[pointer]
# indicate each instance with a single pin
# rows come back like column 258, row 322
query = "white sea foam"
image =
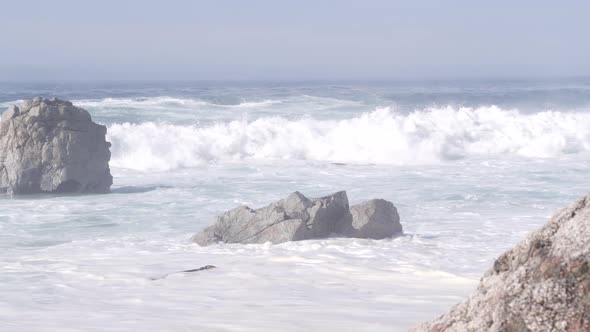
column 383, row 136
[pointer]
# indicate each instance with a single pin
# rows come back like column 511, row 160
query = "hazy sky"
column 304, row 39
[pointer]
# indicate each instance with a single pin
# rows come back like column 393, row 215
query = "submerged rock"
column 300, row 218
column 51, row 146
column 542, row 284
column 202, row 268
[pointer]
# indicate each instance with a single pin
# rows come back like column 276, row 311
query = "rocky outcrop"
column 375, row 219
column 542, row 284
column 51, row 146
column 300, row 218
column 291, row 219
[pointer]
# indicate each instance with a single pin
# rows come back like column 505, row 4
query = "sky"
column 292, row 40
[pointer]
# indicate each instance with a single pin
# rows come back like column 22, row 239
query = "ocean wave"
column 381, row 137
column 169, row 102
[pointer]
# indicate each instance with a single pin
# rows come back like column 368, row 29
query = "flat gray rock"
column 375, row 219
column 51, row 146
column 298, row 218
column 542, row 284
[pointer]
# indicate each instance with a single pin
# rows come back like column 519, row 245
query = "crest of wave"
column 383, row 136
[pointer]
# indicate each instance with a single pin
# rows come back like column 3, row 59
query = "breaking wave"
column 383, row 136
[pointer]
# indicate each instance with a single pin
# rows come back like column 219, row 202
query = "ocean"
column 471, row 165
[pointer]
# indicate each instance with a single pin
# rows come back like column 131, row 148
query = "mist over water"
column 471, row 166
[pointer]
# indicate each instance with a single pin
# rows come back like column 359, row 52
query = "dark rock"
column 300, row 218
column 375, row 219
column 291, row 219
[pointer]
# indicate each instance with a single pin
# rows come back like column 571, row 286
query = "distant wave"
column 167, row 102
column 382, row 137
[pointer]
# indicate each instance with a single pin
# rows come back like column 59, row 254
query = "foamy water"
column 383, row 136
column 469, row 180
